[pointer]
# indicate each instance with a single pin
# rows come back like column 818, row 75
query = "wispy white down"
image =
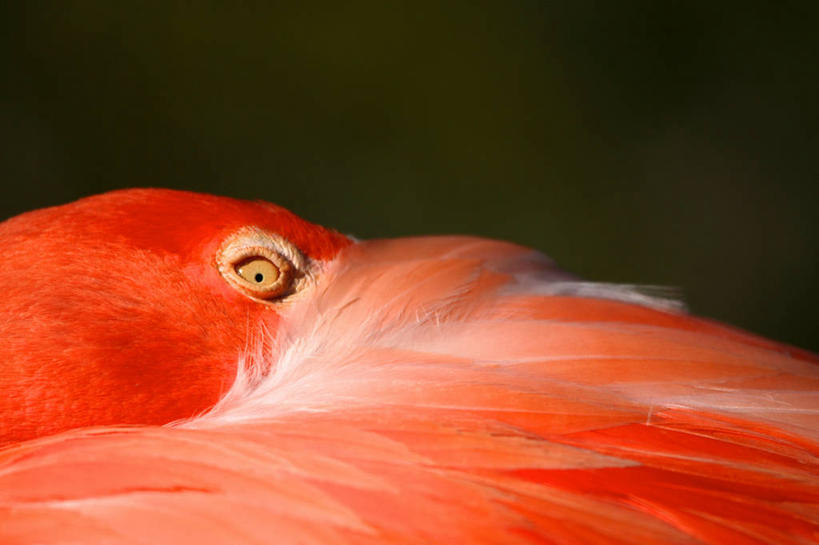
column 322, row 356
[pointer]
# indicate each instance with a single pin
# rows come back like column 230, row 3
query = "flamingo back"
column 454, row 390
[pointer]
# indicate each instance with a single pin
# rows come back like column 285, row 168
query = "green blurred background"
column 668, row 143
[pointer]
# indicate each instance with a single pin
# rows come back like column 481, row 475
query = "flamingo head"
column 135, row 307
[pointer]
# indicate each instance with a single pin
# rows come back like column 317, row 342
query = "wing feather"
column 432, row 390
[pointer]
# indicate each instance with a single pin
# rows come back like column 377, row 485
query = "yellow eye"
column 258, row 271
column 261, row 265
column 261, row 273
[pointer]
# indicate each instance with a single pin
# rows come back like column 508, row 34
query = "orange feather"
column 420, row 390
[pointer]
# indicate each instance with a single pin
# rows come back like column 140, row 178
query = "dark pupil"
column 259, row 277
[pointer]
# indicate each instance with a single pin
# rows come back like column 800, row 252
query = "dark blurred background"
column 651, row 142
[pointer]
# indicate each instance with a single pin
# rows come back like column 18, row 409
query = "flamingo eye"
column 258, row 271
column 261, row 265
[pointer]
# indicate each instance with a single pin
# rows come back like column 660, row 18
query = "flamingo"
column 183, row 368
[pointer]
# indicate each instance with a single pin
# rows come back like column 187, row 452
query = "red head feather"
column 114, row 310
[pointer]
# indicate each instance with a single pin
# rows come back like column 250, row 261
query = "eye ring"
column 261, row 265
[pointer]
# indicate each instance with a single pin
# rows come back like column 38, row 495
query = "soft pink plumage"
column 453, row 390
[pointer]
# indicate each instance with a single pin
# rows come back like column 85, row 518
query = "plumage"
column 418, row 390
